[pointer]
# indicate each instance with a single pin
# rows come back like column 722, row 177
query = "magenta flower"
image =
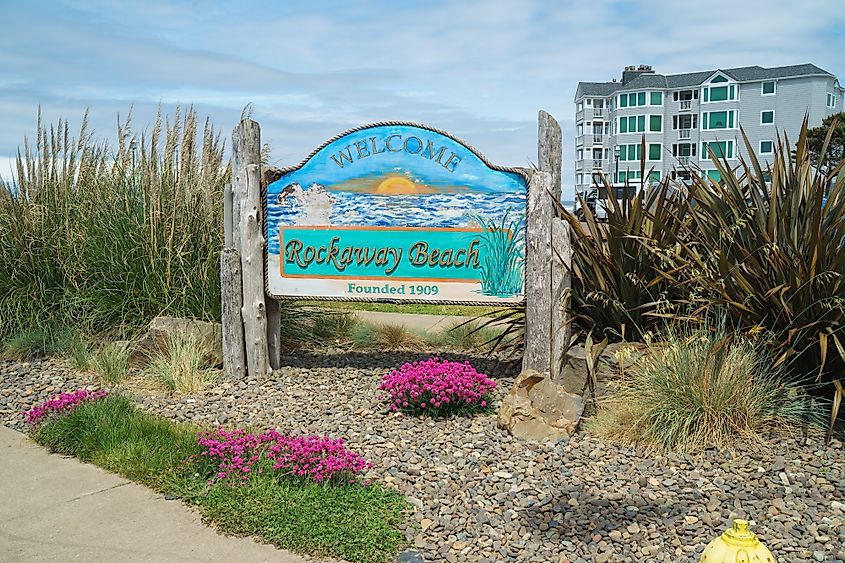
column 61, row 404
column 439, row 387
column 317, row 458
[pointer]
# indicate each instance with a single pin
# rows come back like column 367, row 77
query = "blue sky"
column 479, row 69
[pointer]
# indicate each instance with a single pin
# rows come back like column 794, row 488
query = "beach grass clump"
column 182, row 366
column 331, row 518
column 700, row 388
column 111, row 362
column 503, row 264
column 97, row 237
column 464, row 335
column 437, row 387
column 37, row 341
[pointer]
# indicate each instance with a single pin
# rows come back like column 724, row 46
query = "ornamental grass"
column 704, row 387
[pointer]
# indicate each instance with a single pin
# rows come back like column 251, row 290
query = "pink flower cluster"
column 318, row 458
column 63, row 403
column 439, row 387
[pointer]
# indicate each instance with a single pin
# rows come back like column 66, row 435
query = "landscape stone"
column 539, row 409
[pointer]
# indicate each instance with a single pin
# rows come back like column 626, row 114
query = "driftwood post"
column 561, row 278
column 248, row 239
column 549, row 154
column 254, row 310
column 538, row 295
column 549, row 159
column 231, row 296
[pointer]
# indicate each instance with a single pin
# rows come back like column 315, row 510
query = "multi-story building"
column 681, row 116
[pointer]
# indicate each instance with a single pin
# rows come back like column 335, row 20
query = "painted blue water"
column 372, row 210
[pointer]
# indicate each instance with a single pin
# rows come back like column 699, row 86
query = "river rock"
column 539, row 409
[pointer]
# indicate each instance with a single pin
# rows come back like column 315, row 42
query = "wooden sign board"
column 397, row 212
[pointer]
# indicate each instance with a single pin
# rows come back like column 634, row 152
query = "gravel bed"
column 479, row 495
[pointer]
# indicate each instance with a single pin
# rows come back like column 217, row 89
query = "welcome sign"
column 397, row 212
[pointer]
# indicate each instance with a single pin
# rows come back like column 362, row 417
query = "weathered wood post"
column 550, row 159
column 547, row 267
column 231, row 294
column 561, row 293
column 254, row 310
column 538, row 297
column 249, row 240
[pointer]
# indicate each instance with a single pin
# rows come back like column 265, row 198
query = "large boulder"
column 208, row 336
column 539, row 409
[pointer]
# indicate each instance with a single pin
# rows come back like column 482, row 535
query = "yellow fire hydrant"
column 737, row 545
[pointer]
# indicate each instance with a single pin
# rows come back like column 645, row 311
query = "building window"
column 717, row 120
column 655, row 123
column 767, row 117
column 714, row 175
column 654, row 151
column 656, row 98
column 580, row 154
column 721, row 149
column 579, row 179
column 632, row 152
column 831, row 100
column 623, row 100
column 719, row 93
column 654, row 176
column 768, row 88
column 719, row 78
column 580, row 106
column 589, row 102
column 629, row 175
column 640, row 98
column 632, row 124
column 766, row 147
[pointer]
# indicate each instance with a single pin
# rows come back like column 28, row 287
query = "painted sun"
column 399, row 185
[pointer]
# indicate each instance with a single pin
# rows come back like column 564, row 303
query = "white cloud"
column 479, row 68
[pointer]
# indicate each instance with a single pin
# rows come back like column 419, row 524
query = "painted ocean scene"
column 406, row 177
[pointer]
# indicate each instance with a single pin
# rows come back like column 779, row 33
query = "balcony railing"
column 686, row 104
column 598, row 138
column 684, row 133
column 598, row 112
column 598, row 163
column 683, row 160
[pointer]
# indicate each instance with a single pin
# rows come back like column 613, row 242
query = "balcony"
column 686, row 105
column 683, row 160
column 598, row 163
column 579, row 115
column 684, row 133
column 598, row 112
column 598, row 138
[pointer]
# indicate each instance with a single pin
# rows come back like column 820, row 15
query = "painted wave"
column 429, row 210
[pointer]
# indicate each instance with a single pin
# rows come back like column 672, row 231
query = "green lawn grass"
column 353, row 522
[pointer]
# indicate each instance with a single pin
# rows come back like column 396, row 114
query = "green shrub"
column 767, row 246
column 702, row 387
column 625, row 270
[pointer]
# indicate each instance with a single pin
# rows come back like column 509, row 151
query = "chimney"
column 631, row 72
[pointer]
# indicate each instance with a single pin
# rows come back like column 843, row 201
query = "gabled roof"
column 671, row 81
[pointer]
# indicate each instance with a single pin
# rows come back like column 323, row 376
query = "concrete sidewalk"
column 58, row 509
